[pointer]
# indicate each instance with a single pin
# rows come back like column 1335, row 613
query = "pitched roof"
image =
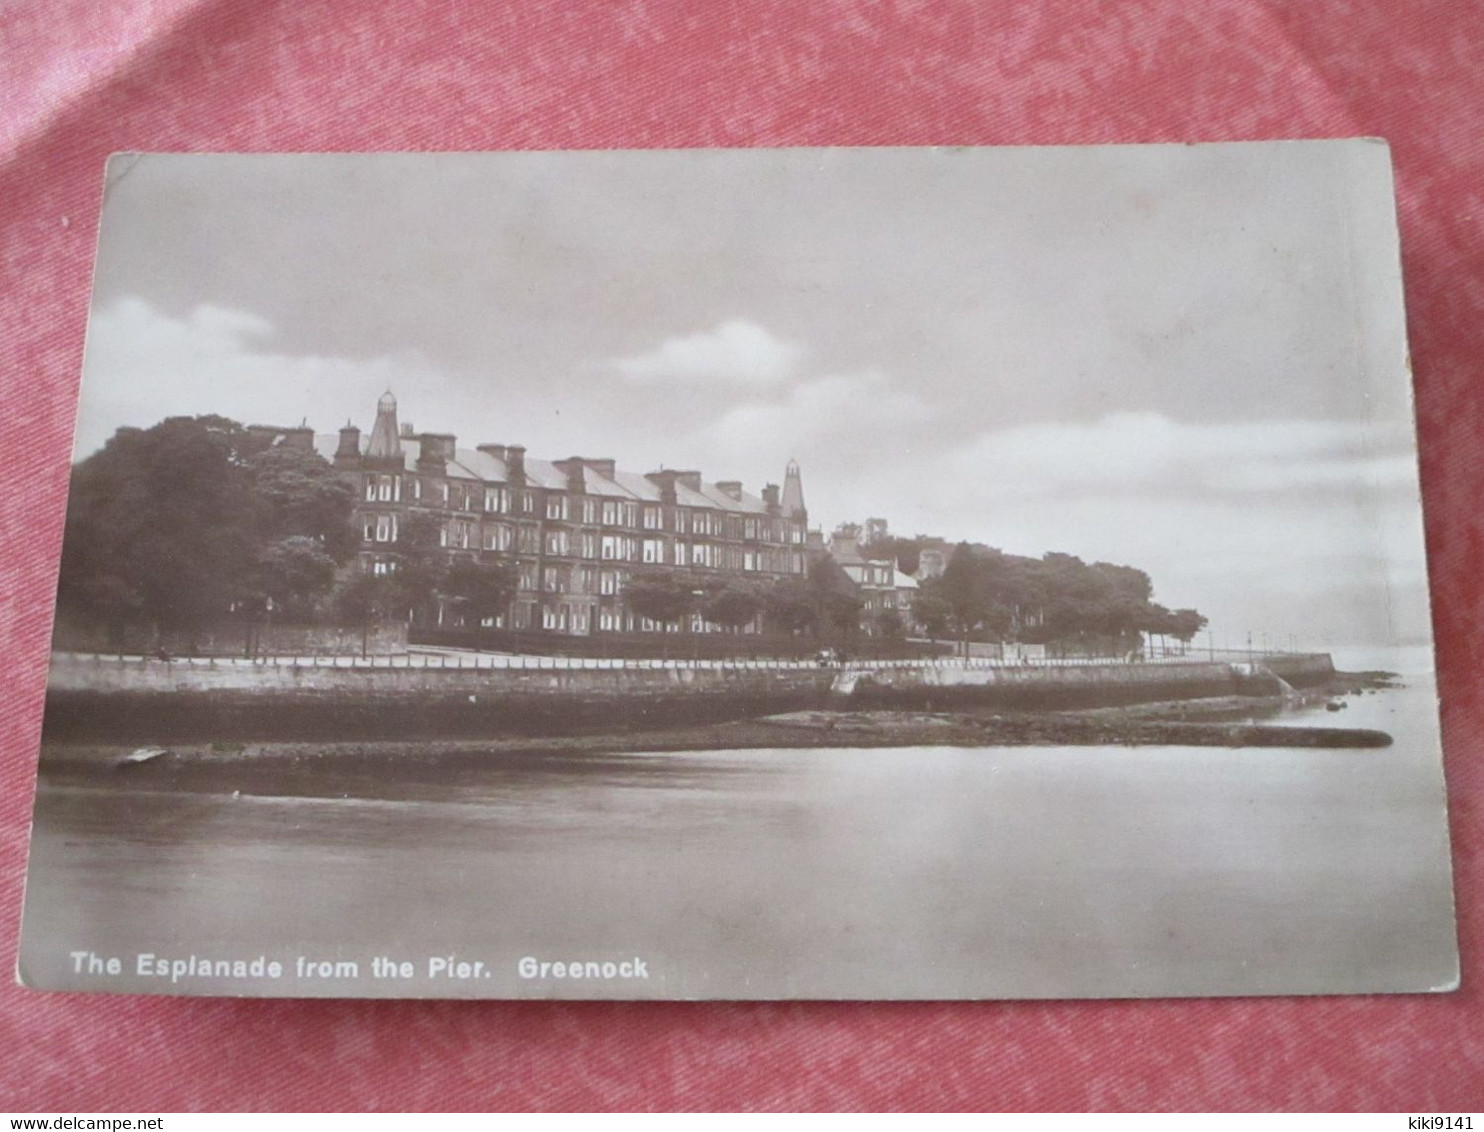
column 477, row 464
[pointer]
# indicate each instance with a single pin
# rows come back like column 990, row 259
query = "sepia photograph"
column 745, row 574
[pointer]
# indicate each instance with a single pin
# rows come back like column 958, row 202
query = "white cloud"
column 840, row 421
column 143, row 365
column 1148, row 452
column 735, row 351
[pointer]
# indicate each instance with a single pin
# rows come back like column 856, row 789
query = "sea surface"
column 908, row 873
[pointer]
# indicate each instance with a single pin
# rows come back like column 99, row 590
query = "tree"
column 1157, row 622
column 888, row 625
column 294, row 574
column 1185, row 624
column 481, row 589
column 362, row 599
column 788, row 607
column 962, row 593
column 159, row 525
column 297, row 494
column 733, row 604
column 177, row 524
column 419, row 565
column 933, row 612
column 834, row 598
column 663, row 596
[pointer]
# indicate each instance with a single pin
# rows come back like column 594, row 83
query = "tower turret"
column 793, row 493
column 386, row 441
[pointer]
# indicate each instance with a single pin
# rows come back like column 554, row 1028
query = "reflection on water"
column 931, row 872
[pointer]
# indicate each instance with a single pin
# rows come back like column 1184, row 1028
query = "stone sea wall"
column 155, row 701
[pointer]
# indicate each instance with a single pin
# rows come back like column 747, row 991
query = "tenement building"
column 576, row 528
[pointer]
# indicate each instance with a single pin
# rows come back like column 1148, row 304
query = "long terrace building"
column 576, row 528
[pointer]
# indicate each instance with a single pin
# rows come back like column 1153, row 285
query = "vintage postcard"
column 773, row 574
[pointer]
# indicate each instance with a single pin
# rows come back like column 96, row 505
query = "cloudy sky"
column 1187, row 358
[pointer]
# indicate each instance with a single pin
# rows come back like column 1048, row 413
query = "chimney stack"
column 664, row 479
column 732, row 489
column 572, row 469
column 692, row 480
column 436, row 449
column 770, row 498
column 605, row 467
column 300, row 438
column 515, row 463
column 348, row 454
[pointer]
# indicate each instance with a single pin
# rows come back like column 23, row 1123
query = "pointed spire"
column 793, row 492
column 385, row 443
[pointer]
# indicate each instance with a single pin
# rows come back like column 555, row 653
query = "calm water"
column 932, row 872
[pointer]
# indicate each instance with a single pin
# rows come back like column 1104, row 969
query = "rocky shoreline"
column 1223, row 722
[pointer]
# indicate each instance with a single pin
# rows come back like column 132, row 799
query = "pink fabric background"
column 80, row 79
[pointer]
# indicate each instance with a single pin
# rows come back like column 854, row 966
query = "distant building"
column 875, row 578
column 576, row 528
column 931, row 562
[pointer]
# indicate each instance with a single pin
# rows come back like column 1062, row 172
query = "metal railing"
column 457, row 661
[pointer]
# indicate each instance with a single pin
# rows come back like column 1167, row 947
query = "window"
column 496, row 537
column 528, row 540
column 528, row 575
column 682, row 554
column 556, row 542
column 386, row 528
column 651, row 518
column 589, row 510
column 749, row 560
column 609, row 583
column 527, row 502
column 682, row 521
column 494, row 499
column 462, row 535
column 700, row 554
column 612, row 547
column 417, row 488
column 631, row 514
column 610, row 513
column 556, row 508
column 384, row 489
column 382, row 567
column 555, row 580
column 589, row 579
column 749, row 529
column 654, row 550
column 589, row 546
column 609, row 620
column 554, row 617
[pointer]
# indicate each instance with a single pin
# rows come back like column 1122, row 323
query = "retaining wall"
column 232, row 639
column 154, row 701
